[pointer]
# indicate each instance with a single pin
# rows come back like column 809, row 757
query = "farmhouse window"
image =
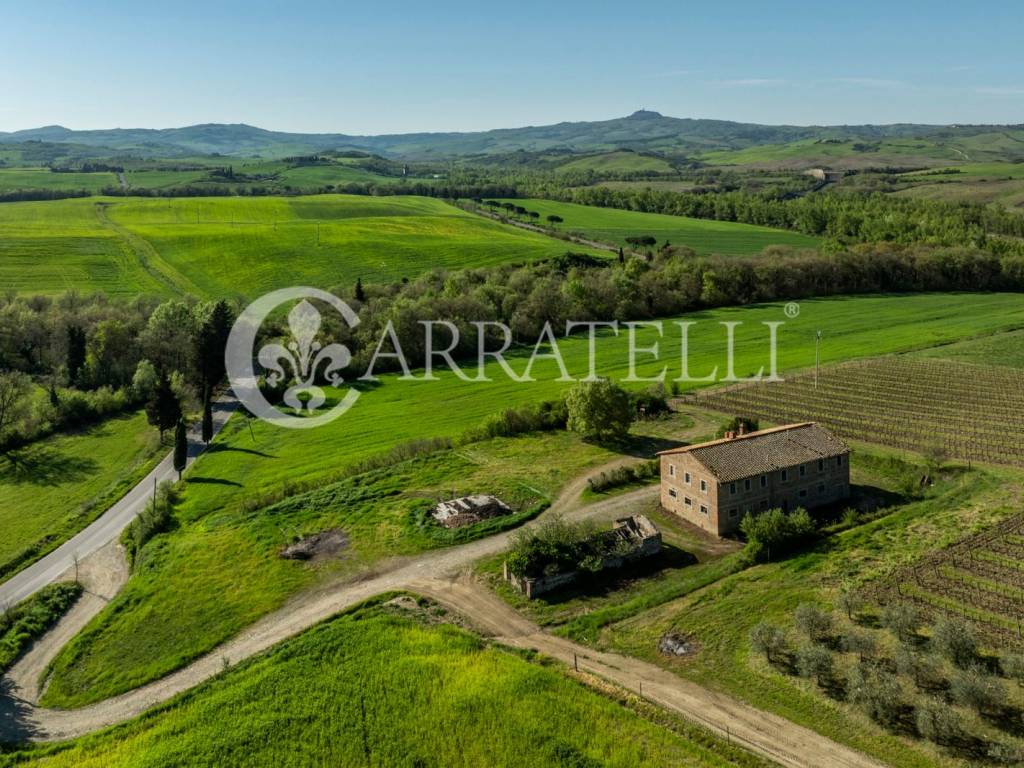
column 687, row 502
column 839, row 460
column 703, row 509
column 703, row 486
column 672, row 492
column 733, row 512
column 764, row 481
column 821, row 465
column 785, row 475
column 732, row 488
column 671, row 470
column 803, row 470
column 746, row 484
column 686, row 477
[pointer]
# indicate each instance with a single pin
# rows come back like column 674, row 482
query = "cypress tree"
column 180, row 447
column 207, row 418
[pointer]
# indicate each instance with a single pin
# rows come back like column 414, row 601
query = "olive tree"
column 769, row 640
column 955, row 640
column 815, row 661
column 812, row 621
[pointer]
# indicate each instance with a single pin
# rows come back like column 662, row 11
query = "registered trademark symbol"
column 792, row 310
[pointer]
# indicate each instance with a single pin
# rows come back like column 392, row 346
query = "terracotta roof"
column 765, row 450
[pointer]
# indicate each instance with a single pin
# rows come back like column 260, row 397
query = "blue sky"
column 395, row 67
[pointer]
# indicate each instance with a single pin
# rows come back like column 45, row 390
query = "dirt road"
column 769, row 735
column 443, row 576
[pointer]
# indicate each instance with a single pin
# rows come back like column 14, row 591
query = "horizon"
column 328, row 68
column 493, row 128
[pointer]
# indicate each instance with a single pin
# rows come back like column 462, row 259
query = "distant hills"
column 642, row 131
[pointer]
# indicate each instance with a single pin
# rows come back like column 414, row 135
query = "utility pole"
column 817, row 356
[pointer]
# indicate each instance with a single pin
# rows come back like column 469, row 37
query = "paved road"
column 109, row 525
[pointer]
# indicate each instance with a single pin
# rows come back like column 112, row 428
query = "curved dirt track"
column 440, row 575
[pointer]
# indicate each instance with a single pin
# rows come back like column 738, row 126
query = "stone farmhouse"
column 713, row 485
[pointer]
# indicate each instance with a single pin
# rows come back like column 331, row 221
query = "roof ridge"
column 722, row 440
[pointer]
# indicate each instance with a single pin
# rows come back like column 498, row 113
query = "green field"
column 1001, row 183
column 163, row 179
column 52, row 488
column 63, row 245
column 227, row 562
column 227, row 247
column 720, row 615
column 1004, row 349
column 12, row 179
column 930, row 152
column 702, row 235
column 219, row 538
column 389, row 686
column 618, row 162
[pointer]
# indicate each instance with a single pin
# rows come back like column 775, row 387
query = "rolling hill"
column 643, row 130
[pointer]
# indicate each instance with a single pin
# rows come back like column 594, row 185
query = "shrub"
column 849, row 602
column 924, row 670
column 748, row 423
column 31, row 619
column 1003, row 753
column 938, row 722
column 1012, row 666
column 877, row 693
column 860, row 643
column 902, row 619
column 625, row 475
column 154, row 519
column 955, row 640
column 774, row 532
column 768, row 640
column 652, row 402
column 541, row 417
column 974, row 688
column 812, row 621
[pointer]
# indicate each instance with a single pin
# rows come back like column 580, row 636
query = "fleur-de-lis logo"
column 306, row 360
column 304, row 355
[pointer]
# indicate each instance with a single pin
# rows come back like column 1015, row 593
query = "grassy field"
column 618, row 162
column 703, row 236
column 1005, row 349
column 697, row 588
column 62, row 245
column 31, row 618
column 221, row 572
column 907, row 152
column 162, row 179
column 384, row 685
column 229, row 247
column 12, row 179
column 52, row 488
column 1001, row 183
column 231, row 579
column 719, row 616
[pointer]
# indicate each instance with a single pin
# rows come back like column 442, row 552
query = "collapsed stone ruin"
column 630, row 539
column 467, row 510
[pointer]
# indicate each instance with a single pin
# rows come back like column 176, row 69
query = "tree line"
column 69, row 361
